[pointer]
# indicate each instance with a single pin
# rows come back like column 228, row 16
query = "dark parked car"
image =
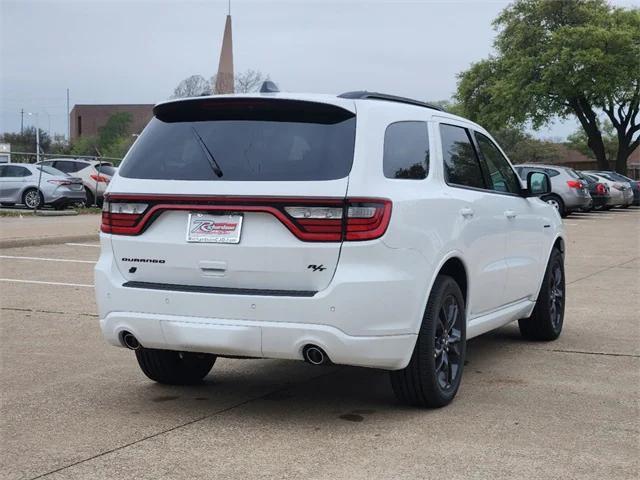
column 599, row 193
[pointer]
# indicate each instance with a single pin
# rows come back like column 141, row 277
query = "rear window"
column 572, row 173
column 51, row 170
column 244, row 140
column 106, row 169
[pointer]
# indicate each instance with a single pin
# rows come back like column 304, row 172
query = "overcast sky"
column 137, row 51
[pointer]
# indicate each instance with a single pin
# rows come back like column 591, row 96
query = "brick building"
column 87, row 119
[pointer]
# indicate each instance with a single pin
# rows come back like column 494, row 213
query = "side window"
column 551, row 172
column 460, row 161
column 66, row 166
column 501, row 176
column 406, row 150
column 3, row 170
column 16, row 171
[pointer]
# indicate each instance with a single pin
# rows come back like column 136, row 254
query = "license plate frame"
column 205, row 227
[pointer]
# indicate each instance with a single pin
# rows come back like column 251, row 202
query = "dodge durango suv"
column 360, row 229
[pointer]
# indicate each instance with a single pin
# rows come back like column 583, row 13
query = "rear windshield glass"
column 51, row 170
column 244, row 140
column 106, row 169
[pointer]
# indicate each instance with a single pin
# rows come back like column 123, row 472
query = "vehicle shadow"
column 273, row 388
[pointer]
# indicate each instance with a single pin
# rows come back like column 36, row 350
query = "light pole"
column 39, row 195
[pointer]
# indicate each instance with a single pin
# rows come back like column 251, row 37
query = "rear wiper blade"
column 210, row 158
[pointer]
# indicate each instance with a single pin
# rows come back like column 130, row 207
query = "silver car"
column 621, row 192
column 568, row 191
column 19, row 185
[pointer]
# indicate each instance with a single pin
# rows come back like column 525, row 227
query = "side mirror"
column 538, row 184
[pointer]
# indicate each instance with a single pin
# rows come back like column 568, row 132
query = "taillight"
column 366, row 219
column 61, row 182
column 309, row 219
column 574, row 183
column 120, row 218
column 601, row 189
column 100, row 178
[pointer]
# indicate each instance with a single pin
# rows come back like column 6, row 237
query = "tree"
column 558, row 59
column 192, row 86
column 26, row 142
column 116, row 127
column 244, row 82
column 578, row 141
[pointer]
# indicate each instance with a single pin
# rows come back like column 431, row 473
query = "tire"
column 90, row 198
column 423, row 382
column 174, row 368
column 557, row 203
column 32, row 198
column 545, row 323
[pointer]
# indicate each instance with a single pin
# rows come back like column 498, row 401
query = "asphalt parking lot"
column 74, row 407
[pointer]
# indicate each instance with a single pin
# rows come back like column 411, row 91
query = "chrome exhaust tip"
column 314, row 355
column 130, row 341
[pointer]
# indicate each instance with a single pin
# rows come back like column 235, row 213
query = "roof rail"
column 363, row 94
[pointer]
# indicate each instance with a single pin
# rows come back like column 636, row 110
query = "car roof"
column 349, row 101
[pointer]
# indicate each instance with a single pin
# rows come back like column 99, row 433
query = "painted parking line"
column 37, row 282
column 94, row 245
column 42, row 259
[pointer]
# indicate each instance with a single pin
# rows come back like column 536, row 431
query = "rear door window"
column 406, row 150
column 16, row 171
column 461, row 163
column 502, row 178
column 244, row 140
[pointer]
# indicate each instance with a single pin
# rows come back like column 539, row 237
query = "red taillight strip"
column 311, row 230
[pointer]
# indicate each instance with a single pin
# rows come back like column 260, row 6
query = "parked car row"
column 56, row 183
column 573, row 190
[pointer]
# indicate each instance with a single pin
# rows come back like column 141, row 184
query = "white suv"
column 362, row 229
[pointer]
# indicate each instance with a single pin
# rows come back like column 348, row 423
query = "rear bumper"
column 257, row 339
column 575, row 201
column 368, row 316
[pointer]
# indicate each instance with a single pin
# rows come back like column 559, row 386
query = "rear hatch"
column 235, row 193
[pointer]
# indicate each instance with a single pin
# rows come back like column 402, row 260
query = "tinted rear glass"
column 106, row 169
column 248, row 139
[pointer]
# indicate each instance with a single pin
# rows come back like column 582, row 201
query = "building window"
column 79, row 125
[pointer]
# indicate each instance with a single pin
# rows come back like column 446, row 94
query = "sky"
column 137, row 51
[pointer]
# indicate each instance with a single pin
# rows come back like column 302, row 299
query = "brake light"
column 574, row 183
column 118, row 217
column 100, row 178
column 309, row 219
column 601, row 189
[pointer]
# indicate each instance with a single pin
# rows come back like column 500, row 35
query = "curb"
column 32, row 242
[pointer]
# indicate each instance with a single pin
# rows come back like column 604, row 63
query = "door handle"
column 510, row 214
column 466, row 212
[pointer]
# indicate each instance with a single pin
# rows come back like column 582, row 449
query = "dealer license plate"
column 207, row 228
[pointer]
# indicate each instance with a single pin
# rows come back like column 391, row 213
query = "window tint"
column 67, row 166
column 106, row 169
column 16, row 171
column 550, row 171
column 248, row 139
column 460, row 160
column 501, row 177
column 406, row 150
column 2, row 170
column 572, row 173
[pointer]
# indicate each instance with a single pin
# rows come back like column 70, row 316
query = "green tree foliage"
column 578, row 141
column 116, row 127
column 558, row 59
column 26, row 142
column 522, row 147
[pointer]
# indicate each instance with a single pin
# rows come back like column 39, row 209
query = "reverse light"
column 120, row 218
